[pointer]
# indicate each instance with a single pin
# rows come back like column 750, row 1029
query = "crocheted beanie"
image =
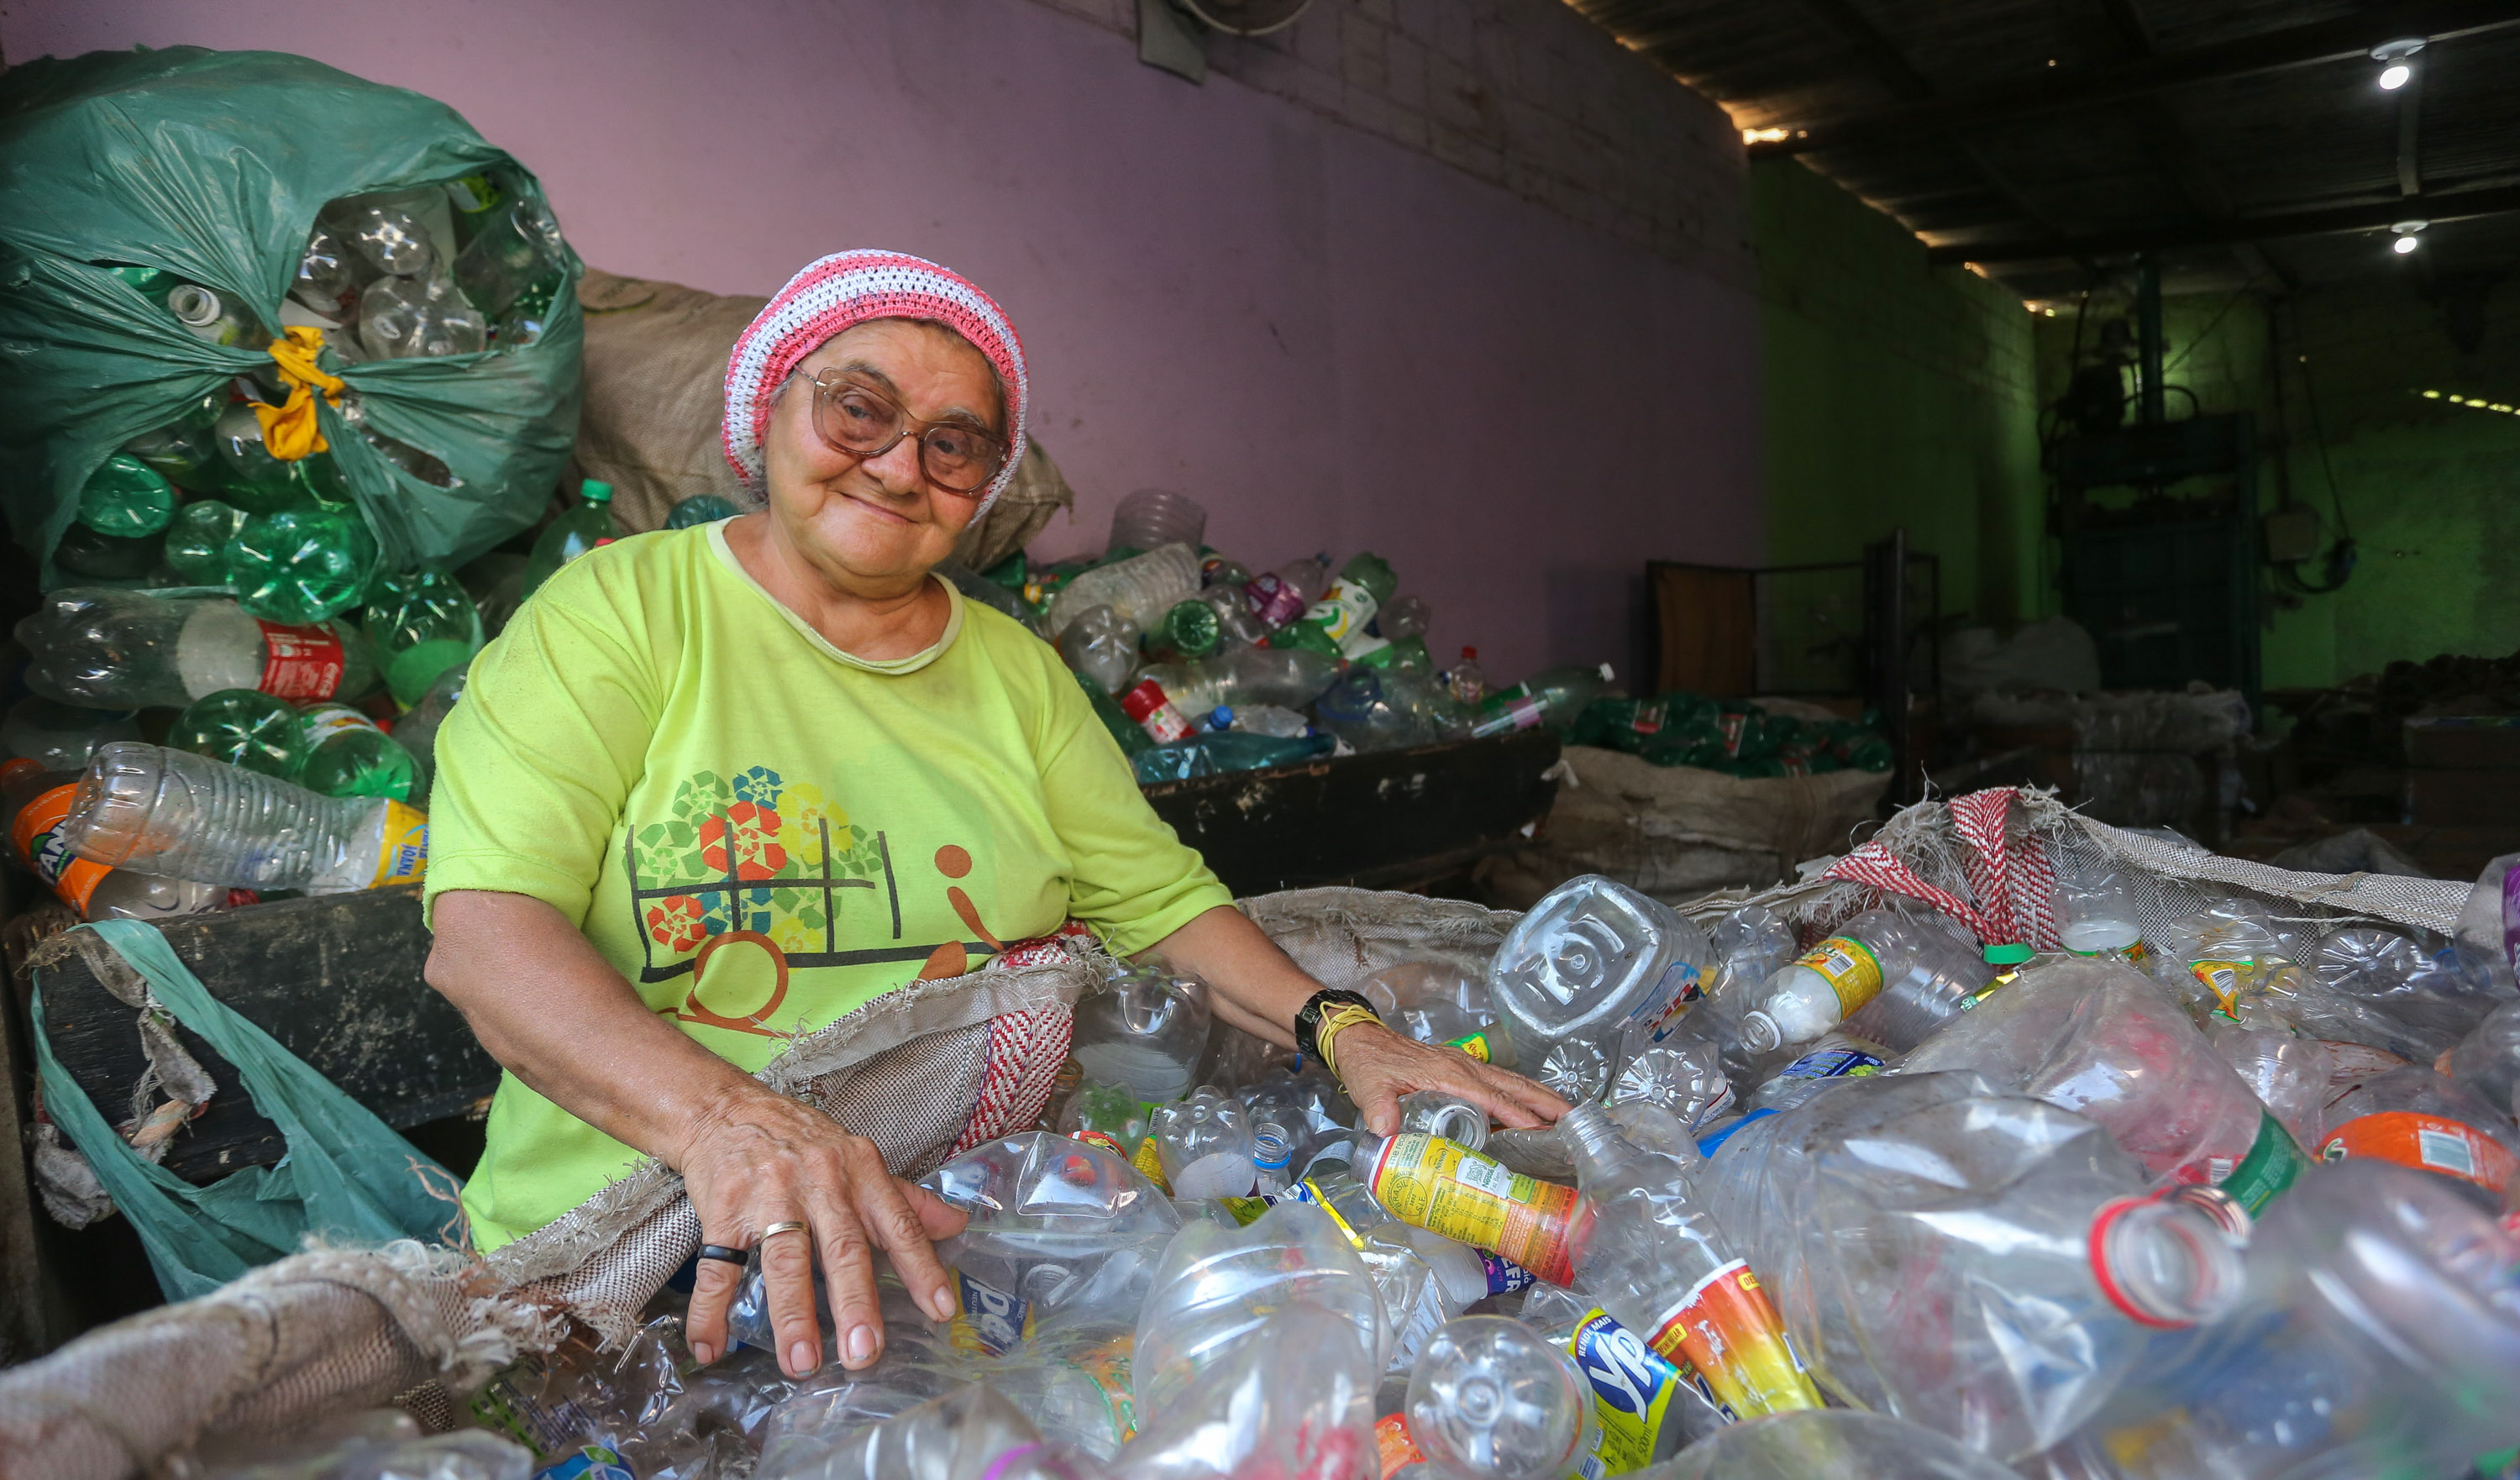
column 851, row 288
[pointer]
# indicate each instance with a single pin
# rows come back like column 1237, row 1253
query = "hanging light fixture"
column 2407, row 232
column 2397, row 62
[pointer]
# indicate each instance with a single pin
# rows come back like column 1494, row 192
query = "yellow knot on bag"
column 289, row 430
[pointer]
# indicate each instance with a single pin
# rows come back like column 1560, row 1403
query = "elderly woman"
column 681, row 728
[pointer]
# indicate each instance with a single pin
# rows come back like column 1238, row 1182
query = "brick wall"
column 1523, row 94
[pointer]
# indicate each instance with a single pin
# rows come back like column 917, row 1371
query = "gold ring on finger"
column 790, row 1227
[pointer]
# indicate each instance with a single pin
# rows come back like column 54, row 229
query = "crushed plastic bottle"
column 1063, row 1237
column 1215, row 1288
column 1204, row 1143
column 127, row 649
column 185, row 816
column 1488, row 1400
column 33, row 804
column 1593, row 972
column 1146, row 1034
column 1921, row 974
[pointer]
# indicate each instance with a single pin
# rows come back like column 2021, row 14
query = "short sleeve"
column 535, row 762
column 1132, row 877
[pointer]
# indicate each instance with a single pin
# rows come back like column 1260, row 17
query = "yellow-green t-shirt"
column 665, row 754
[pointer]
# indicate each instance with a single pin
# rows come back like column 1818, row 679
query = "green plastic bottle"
column 301, row 566
column 127, row 498
column 573, row 534
column 196, row 542
column 1190, row 630
column 346, row 754
column 243, row 728
column 1115, row 719
column 422, row 622
column 82, row 552
column 257, row 483
column 1554, row 696
column 1335, row 626
column 181, row 451
column 701, row 509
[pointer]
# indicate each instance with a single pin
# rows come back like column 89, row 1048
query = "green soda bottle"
column 573, row 534
column 422, row 622
column 196, row 543
column 1131, row 738
column 181, row 451
column 1336, row 624
column 127, row 498
column 258, row 482
column 1553, row 696
column 701, row 509
column 347, row 755
column 300, row 565
column 243, row 728
column 1190, row 630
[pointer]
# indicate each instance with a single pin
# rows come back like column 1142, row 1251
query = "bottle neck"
column 2164, row 1264
column 1592, row 1139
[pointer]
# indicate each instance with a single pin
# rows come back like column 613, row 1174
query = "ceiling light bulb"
column 2403, row 245
column 2395, row 76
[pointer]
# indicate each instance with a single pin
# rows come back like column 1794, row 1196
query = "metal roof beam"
column 2436, row 208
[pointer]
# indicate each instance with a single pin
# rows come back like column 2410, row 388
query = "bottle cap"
column 1221, row 718
column 595, row 491
column 2011, row 955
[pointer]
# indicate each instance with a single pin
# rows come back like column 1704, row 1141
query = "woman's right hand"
column 756, row 1158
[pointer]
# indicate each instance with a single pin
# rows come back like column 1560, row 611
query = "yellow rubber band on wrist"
column 1345, row 1015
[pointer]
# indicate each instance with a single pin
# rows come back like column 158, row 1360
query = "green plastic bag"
column 212, row 165
column 348, row 1176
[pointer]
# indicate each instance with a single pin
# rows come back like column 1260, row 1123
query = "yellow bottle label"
column 405, row 854
column 1850, row 968
column 1451, row 1189
column 1474, row 1045
column 1147, row 1162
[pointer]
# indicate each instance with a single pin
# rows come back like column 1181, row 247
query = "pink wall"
column 1334, row 341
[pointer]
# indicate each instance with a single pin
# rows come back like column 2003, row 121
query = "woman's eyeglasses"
column 863, row 422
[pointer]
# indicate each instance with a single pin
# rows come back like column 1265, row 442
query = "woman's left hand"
column 1378, row 1066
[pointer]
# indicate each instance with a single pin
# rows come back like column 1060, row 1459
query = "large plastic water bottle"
column 186, row 816
column 1099, row 644
column 1146, row 1034
column 422, row 622
column 575, row 533
column 1490, row 1399
column 301, row 566
column 1595, row 966
column 1204, row 1143
column 1647, row 1250
column 125, row 650
column 1217, row 1286
column 242, row 727
column 1936, row 975
column 33, row 804
column 1139, row 589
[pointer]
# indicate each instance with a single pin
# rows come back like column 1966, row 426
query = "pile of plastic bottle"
column 1198, row 665
column 2234, row 1199
column 1735, row 736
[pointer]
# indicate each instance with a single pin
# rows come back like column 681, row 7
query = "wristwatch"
column 1308, row 1017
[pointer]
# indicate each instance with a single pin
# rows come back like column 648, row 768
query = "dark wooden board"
column 336, row 980
column 1391, row 817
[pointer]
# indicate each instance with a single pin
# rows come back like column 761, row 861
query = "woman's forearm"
column 557, row 1014
column 1256, row 986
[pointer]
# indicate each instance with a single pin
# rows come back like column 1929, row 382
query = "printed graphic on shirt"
column 777, row 864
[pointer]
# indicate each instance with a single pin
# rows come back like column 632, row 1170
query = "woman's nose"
column 897, row 471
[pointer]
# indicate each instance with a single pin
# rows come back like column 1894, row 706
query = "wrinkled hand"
column 1378, row 1066
column 759, row 1158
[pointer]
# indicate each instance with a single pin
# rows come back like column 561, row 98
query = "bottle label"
column 1649, row 718
column 1832, row 1063
column 1449, row 1188
column 1246, row 1211
column 987, row 1320
column 325, row 721
column 300, row 662
column 1272, row 601
column 1107, row 1366
column 1732, row 723
column 1631, row 1390
column 1155, row 712
column 1725, row 1329
column 1505, row 1276
column 1850, row 968
column 1105, row 1139
column 2135, row 955
column 1306, row 1191
column 1151, row 1166
column 1392, row 1442
column 588, row 1462
column 2426, row 1142
column 2273, row 1162
column 36, row 837
column 405, row 854
column 1679, row 991
column 1343, row 610
column 2221, row 978
column 1474, row 1045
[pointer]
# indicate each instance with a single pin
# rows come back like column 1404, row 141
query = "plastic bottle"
column 1292, row 1397
column 1291, row 679
column 347, row 754
column 2096, row 917
column 125, row 650
column 1265, row 718
column 2378, row 1337
column 1404, row 617
column 1838, row 977
column 1488, row 1400
column 185, row 816
column 210, row 316
column 2487, row 1061
column 1112, row 1116
column 87, row 556
column 1682, row 1075
column 1656, row 1260
column 510, row 254
column 1276, row 598
column 971, row 1434
column 1829, row 1445
column 2366, row 961
column 1205, row 1146
column 2415, row 1118
column 418, row 318
column 1439, row 1113
column 581, row 529
column 61, row 737
column 243, row 727
column 1101, row 647
column 1139, row 589
column 34, row 802
column 1593, row 963
column 1236, row 627
column 1753, row 944
column 1153, row 518
column 2287, row 1072
column 1431, row 1001
column 2099, row 1039
column 699, row 509
column 1553, row 696
column 1189, row 630
column 301, row 566
column 1061, row 1237
column 1467, row 679
column 1145, row 1033
column 417, row 731
column 1216, row 1287
column 382, row 230
column 127, row 498
column 422, row 622
column 1214, row 571
column 257, row 483
column 1155, row 712
column 1272, row 1158
column 197, row 541
column 1356, row 709
column 1433, row 1184
column 1835, row 1056
column 324, row 277
column 1336, row 623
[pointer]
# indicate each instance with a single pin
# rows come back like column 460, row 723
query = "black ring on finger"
column 723, row 1254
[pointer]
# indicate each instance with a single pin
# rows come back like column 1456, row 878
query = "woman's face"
column 878, row 522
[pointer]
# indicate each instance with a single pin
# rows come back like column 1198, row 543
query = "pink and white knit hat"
column 851, row 288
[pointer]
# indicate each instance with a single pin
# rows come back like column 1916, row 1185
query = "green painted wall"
column 1894, row 393
column 2430, row 490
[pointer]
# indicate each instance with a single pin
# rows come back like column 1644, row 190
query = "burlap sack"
column 656, row 378
column 1677, row 832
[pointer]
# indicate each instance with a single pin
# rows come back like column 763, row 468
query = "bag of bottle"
column 243, row 150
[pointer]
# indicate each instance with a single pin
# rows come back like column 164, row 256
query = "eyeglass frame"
column 831, row 381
